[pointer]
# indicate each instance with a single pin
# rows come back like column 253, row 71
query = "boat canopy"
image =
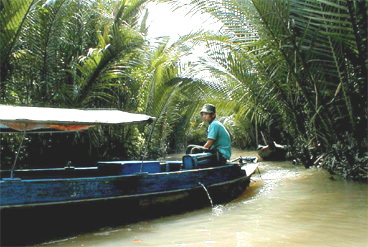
column 45, row 119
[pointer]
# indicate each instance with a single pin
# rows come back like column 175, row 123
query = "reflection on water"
column 285, row 205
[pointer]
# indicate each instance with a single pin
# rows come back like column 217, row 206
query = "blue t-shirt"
column 222, row 143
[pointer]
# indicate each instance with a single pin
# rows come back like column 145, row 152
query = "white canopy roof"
column 44, row 116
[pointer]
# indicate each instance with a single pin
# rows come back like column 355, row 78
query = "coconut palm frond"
column 235, row 15
column 13, row 15
column 143, row 26
column 314, row 37
column 164, row 70
column 113, row 55
column 129, row 12
column 97, row 63
column 44, row 45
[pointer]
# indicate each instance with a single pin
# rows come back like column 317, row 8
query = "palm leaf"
column 116, row 48
column 13, row 15
column 44, row 45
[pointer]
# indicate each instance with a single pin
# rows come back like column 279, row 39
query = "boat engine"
column 201, row 160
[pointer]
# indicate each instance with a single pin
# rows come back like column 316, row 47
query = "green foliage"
column 345, row 159
column 13, row 15
column 197, row 132
column 295, row 70
column 161, row 95
column 297, row 67
column 243, row 133
column 71, row 53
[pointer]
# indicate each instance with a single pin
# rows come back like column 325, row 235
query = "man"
column 218, row 139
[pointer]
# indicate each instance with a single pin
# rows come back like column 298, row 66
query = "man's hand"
column 209, row 143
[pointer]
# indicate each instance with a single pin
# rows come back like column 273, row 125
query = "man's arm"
column 209, row 143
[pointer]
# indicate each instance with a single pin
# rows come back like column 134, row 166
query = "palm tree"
column 72, row 53
column 13, row 16
column 162, row 86
column 298, row 64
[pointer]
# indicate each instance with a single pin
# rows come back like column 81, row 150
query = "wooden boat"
column 148, row 182
column 272, row 152
column 112, row 187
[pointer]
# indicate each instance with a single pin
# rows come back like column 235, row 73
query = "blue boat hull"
column 38, row 192
column 52, row 208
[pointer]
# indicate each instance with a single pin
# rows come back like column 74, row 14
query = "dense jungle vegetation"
column 292, row 70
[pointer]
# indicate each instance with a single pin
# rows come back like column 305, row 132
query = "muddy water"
column 285, row 205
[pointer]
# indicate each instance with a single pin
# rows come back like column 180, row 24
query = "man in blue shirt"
column 218, row 139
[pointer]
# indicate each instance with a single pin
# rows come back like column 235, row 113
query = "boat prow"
column 250, row 169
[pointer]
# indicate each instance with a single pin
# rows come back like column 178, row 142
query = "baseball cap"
column 208, row 108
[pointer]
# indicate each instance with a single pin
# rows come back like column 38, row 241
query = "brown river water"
column 285, row 205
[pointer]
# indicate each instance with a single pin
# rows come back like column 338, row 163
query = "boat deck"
column 99, row 170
